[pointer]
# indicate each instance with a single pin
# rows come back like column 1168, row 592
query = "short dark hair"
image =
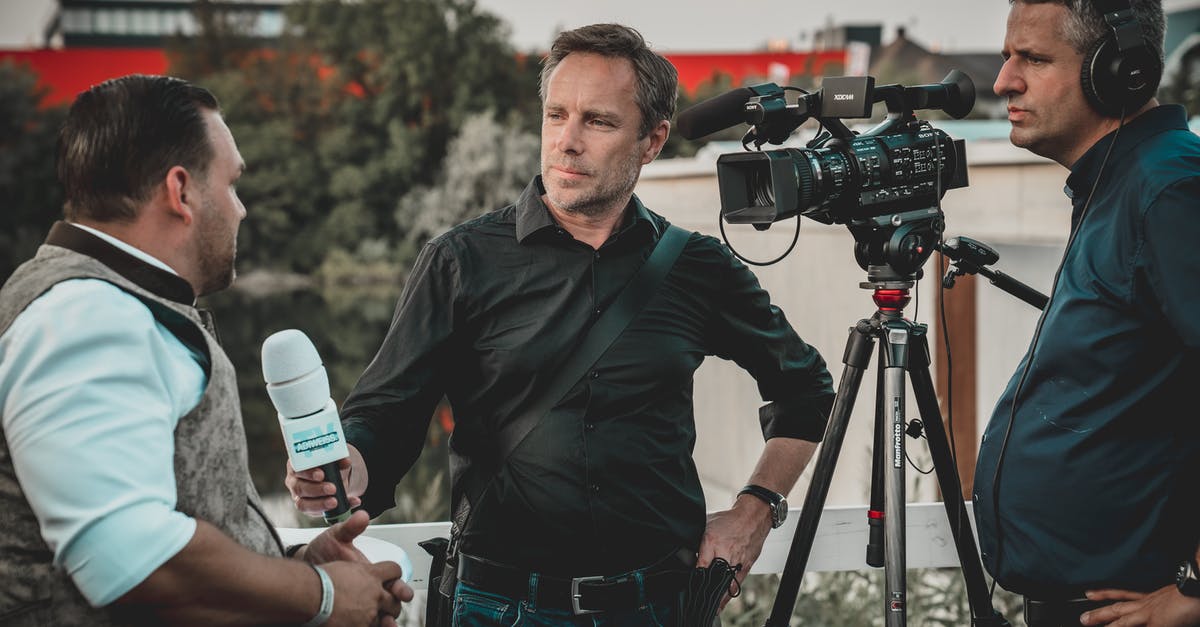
column 1085, row 24
column 657, row 80
column 122, row 136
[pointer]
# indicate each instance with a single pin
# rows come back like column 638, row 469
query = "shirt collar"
column 129, row 248
column 1087, row 168
column 142, row 269
column 534, row 217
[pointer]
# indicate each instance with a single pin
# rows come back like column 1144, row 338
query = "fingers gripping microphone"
column 312, row 431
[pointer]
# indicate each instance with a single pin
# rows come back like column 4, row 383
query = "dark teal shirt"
column 606, row 482
column 1101, row 473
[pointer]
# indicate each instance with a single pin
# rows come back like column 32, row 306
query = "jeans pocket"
column 475, row 608
column 659, row 615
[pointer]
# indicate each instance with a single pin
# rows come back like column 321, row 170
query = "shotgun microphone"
column 312, row 431
column 715, row 114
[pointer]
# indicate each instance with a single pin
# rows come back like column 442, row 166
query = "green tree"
column 351, row 110
column 30, row 196
column 487, row 166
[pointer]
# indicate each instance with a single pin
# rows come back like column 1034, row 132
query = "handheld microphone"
column 312, row 431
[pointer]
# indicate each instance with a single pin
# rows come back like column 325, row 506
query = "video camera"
column 885, row 184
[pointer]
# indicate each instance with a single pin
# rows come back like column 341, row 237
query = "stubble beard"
column 601, row 199
column 218, row 252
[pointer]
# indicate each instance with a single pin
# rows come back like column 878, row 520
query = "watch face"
column 1186, row 579
column 783, row 510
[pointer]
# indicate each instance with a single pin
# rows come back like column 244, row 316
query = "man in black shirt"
column 605, row 484
column 1085, row 487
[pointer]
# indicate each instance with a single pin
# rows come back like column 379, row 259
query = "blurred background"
column 371, row 126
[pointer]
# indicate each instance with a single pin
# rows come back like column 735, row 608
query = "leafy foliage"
column 487, row 166
column 30, row 197
column 353, row 109
column 936, row 596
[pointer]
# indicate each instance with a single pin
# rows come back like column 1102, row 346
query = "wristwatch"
column 1187, row 579
column 774, row 500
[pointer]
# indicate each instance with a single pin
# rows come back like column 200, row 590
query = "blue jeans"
column 476, row 608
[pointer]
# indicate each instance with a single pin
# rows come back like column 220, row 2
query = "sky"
column 695, row 25
column 708, row 25
column 687, row 25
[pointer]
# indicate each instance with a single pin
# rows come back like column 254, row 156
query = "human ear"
column 181, row 194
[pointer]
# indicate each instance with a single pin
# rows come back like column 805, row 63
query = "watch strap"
column 773, row 499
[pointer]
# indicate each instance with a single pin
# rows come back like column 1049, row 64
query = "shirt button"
column 595, row 374
column 589, row 426
column 597, row 311
column 595, row 489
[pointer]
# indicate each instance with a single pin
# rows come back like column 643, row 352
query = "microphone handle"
column 341, row 511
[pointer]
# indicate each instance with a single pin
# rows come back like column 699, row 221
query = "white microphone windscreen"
column 287, row 355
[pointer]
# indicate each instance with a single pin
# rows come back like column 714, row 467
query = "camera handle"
column 903, row 350
column 972, row 257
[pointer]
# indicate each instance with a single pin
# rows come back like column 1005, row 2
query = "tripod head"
column 892, row 250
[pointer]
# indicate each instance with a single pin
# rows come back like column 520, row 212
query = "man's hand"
column 313, row 495
column 1164, row 607
column 737, row 535
column 366, row 594
column 337, row 542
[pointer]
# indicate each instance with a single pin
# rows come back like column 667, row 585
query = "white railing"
column 840, row 542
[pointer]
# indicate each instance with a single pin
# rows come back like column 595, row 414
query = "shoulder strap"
column 600, row 336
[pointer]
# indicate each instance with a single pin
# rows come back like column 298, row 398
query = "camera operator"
column 1085, row 487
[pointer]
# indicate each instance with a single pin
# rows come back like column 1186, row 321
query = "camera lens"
column 758, row 187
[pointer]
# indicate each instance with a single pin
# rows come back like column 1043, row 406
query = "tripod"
column 903, row 350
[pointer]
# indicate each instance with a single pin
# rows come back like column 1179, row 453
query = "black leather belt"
column 1058, row 613
column 582, row 595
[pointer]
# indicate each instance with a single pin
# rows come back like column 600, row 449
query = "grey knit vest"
column 211, row 472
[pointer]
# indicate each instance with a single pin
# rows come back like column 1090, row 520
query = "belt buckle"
column 575, row 607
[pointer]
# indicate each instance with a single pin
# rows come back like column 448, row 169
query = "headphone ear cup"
column 1096, row 77
column 1140, row 72
column 1111, row 79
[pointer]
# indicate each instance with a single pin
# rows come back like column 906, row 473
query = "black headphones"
column 1121, row 72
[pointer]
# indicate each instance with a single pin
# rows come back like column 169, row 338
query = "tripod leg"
column 982, row 612
column 856, row 359
column 895, row 342
column 875, row 514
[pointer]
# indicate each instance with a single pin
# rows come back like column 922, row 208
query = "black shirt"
column 606, row 482
column 1098, row 486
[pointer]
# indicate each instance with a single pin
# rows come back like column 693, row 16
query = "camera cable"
column 725, row 237
column 1037, row 333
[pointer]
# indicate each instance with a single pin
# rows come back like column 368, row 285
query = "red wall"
column 70, row 71
column 694, row 69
